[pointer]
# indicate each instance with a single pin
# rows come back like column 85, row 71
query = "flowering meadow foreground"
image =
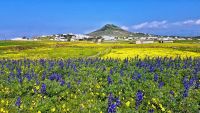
column 94, row 85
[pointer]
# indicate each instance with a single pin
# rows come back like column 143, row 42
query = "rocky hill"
column 113, row 30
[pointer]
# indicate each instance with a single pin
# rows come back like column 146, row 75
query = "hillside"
column 113, row 30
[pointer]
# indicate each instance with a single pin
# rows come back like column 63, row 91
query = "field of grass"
column 57, row 50
column 85, row 77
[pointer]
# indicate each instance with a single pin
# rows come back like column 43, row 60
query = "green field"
column 85, row 77
column 57, row 50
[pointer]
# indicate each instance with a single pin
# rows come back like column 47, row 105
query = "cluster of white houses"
column 80, row 37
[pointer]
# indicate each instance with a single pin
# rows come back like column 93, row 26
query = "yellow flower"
column 2, row 101
column 169, row 111
column 162, row 108
column 82, row 106
column 53, row 109
column 153, row 106
column 97, row 93
column 22, row 106
column 154, row 100
column 97, row 86
column 2, row 109
column 32, row 90
column 31, row 108
column 92, row 93
column 132, row 99
column 39, row 112
column 7, row 103
column 37, row 87
column 103, row 94
column 128, row 104
column 63, row 106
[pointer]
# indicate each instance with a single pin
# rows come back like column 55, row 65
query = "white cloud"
column 187, row 22
column 125, row 27
column 198, row 22
column 164, row 24
column 153, row 24
column 190, row 22
column 140, row 26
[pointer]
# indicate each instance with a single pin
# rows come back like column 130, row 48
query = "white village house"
column 144, row 42
column 108, row 38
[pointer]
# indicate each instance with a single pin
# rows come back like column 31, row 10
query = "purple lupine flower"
column 18, row 102
column 111, row 71
column 185, row 83
column 112, row 108
column 68, row 85
column 61, row 64
column 55, row 76
column 28, row 77
column 134, row 78
column 118, row 102
column 79, row 81
column 43, row 75
column 185, row 93
column 20, row 80
column 37, row 81
column 151, row 69
column 43, row 88
column 109, row 80
column 191, row 82
column 74, row 67
column 139, row 95
column 139, row 98
column 121, row 72
column 110, row 99
column 62, row 82
column 156, row 77
column 151, row 111
column 161, row 84
column 52, row 77
column 172, row 92
column 139, row 75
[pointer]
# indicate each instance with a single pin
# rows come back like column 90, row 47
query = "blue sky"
column 36, row 17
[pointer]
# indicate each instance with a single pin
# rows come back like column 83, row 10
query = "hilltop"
column 113, row 30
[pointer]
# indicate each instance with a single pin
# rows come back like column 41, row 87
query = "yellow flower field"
column 151, row 52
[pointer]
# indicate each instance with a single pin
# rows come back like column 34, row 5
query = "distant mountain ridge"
column 113, row 30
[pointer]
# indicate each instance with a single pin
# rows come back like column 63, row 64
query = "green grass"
column 57, row 50
column 51, row 53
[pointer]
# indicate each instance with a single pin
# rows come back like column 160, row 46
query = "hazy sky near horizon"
column 37, row 17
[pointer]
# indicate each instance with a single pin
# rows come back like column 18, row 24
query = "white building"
column 108, row 38
column 80, row 36
column 166, row 41
column 144, row 42
column 60, row 39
